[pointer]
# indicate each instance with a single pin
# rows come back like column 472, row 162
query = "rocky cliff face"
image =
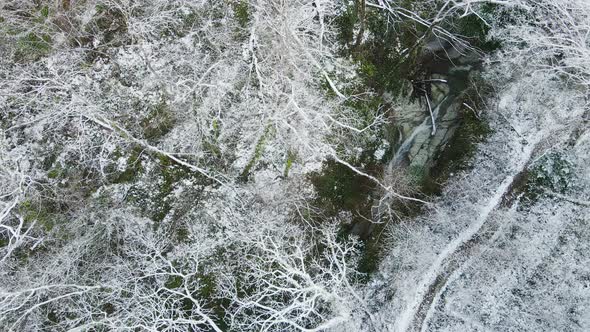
column 426, row 124
column 430, row 121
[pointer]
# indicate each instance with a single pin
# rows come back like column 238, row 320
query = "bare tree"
column 286, row 282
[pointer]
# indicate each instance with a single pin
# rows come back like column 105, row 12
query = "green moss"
column 242, row 13
column 211, row 144
column 386, row 57
column 368, row 70
column 44, row 12
column 258, row 150
column 216, row 304
column 101, row 8
column 242, row 16
column 109, row 24
column 370, row 258
column 134, row 167
column 291, row 157
column 158, row 122
column 54, row 173
column 476, row 31
column 174, row 282
column 171, row 174
column 153, row 192
column 190, row 20
column 33, row 46
column 109, row 17
column 208, row 287
column 366, row 109
column 458, row 151
column 552, row 173
column 345, row 25
column 182, row 234
column 206, row 291
column 216, row 127
column 339, row 188
column 212, row 148
column 43, row 213
column 187, row 20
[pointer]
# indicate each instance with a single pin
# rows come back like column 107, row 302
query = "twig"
column 431, row 115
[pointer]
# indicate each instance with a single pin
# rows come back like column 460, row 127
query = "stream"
column 421, row 143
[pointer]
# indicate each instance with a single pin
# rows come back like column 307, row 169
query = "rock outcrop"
column 437, row 98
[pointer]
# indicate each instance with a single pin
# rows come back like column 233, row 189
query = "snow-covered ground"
column 483, row 260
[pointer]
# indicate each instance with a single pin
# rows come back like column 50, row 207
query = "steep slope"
column 437, row 258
